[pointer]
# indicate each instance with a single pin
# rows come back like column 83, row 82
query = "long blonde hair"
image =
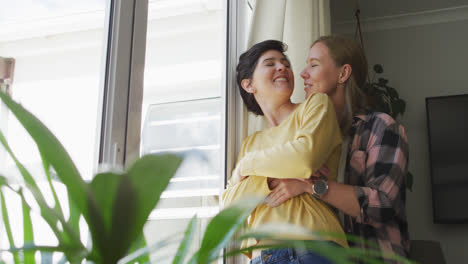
column 343, row 51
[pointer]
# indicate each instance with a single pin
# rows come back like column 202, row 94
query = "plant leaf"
column 32, row 185
column 6, row 223
column 223, row 226
column 46, row 166
column 409, row 181
column 382, row 81
column 139, row 192
column 186, row 242
column 74, row 247
column 392, row 92
column 55, row 154
column 53, row 151
column 104, row 186
column 27, row 177
column 28, row 233
column 378, row 68
column 158, row 246
column 140, row 243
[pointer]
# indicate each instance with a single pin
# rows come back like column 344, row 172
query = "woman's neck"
column 276, row 113
column 338, row 100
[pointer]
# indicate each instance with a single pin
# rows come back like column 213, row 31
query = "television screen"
column 447, row 121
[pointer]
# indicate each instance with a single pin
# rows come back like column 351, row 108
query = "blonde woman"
column 372, row 196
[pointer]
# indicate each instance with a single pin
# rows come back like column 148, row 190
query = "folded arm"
column 318, row 136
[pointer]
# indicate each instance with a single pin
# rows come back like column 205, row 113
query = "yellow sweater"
column 308, row 138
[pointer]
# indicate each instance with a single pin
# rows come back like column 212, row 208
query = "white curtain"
column 295, row 22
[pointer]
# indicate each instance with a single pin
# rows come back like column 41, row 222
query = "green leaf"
column 401, row 106
column 186, row 242
column 75, row 214
column 223, row 226
column 382, row 81
column 46, row 166
column 55, row 154
column 27, row 177
column 337, row 254
column 28, row 233
column 6, row 223
column 104, row 186
column 64, row 237
column 140, row 243
column 73, row 222
column 30, row 247
column 378, row 68
column 53, row 151
column 138, row 193
column 158, row 246
column 392, row 92
column 51, row 217
column 409, row 181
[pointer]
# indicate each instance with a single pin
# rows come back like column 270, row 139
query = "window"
column 79, row 68
column 182, row 110
column 58, row 48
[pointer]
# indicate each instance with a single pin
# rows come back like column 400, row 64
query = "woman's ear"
column 345, row 73
column 247, row 86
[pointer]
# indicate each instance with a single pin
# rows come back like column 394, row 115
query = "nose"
column 281, row 67
column 304, row 74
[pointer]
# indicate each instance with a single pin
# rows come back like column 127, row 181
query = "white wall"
column 423, row 55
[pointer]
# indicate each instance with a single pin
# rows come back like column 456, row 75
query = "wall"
column 423, row 55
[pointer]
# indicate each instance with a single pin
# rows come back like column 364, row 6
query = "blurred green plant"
column 116, row 205
column 384, row 98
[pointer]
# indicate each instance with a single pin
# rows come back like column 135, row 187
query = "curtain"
column 295, row 22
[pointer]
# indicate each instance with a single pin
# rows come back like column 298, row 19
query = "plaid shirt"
column 376, row 166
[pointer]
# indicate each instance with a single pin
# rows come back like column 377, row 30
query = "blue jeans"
column 289, row 256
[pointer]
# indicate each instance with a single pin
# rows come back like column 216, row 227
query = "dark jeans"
column 290, row 256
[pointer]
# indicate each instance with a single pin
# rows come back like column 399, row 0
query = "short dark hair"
column 245, row 68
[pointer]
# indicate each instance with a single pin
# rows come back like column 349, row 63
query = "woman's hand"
column 324, row 171
column 284, row 189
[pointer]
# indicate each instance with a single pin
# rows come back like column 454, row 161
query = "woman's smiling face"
column 321, row 73
column 273, row 75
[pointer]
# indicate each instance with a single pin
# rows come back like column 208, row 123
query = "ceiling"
column 343, row 10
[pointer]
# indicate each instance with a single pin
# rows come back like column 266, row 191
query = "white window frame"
column 123, row 82
column 123, row 85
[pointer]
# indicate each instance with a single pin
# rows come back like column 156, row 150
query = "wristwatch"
column 320, row 187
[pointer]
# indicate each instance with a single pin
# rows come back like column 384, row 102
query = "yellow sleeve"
column 318, row 134
column 253, row 186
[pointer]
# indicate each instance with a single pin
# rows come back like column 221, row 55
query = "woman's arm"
column 340, row 196
column 383, row 194
column 317, row 137
column 251, row 186
column 380, row 197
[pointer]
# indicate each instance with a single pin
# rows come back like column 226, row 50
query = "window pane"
column 182, row 110
column 58, row 50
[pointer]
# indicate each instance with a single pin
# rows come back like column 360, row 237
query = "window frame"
column 123, row 85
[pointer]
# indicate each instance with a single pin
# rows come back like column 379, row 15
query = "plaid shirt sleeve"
column 380, row 195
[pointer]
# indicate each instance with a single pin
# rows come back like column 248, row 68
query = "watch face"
column 320, row 187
